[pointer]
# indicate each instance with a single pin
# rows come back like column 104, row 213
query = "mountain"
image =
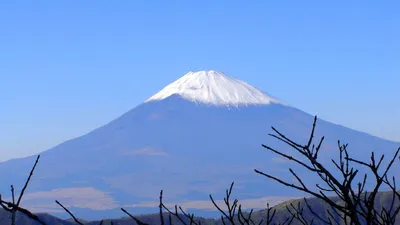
column 193, row 138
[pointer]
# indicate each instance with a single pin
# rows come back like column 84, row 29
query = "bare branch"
column 134, row 218
column 27, row 181
column 70, row 213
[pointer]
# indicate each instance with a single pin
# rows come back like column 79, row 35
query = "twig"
column 70, row 213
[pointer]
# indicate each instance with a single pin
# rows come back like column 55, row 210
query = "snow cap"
column 214, row 88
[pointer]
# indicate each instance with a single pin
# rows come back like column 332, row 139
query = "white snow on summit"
column 214, row 88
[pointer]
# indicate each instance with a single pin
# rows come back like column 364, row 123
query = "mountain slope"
column 186, row 147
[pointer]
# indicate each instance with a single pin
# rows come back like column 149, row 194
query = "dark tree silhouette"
column 357, row 205
column 13, row 207
column 233, row 214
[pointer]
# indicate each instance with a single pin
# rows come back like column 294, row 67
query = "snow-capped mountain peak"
column 214, row 88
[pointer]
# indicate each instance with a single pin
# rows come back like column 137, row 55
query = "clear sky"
column 67, row 67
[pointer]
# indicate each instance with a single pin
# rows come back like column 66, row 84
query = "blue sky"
column 67, row 67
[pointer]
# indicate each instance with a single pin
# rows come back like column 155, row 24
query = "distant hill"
column 320, row 208
column 21, row 219
column 154, row 219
